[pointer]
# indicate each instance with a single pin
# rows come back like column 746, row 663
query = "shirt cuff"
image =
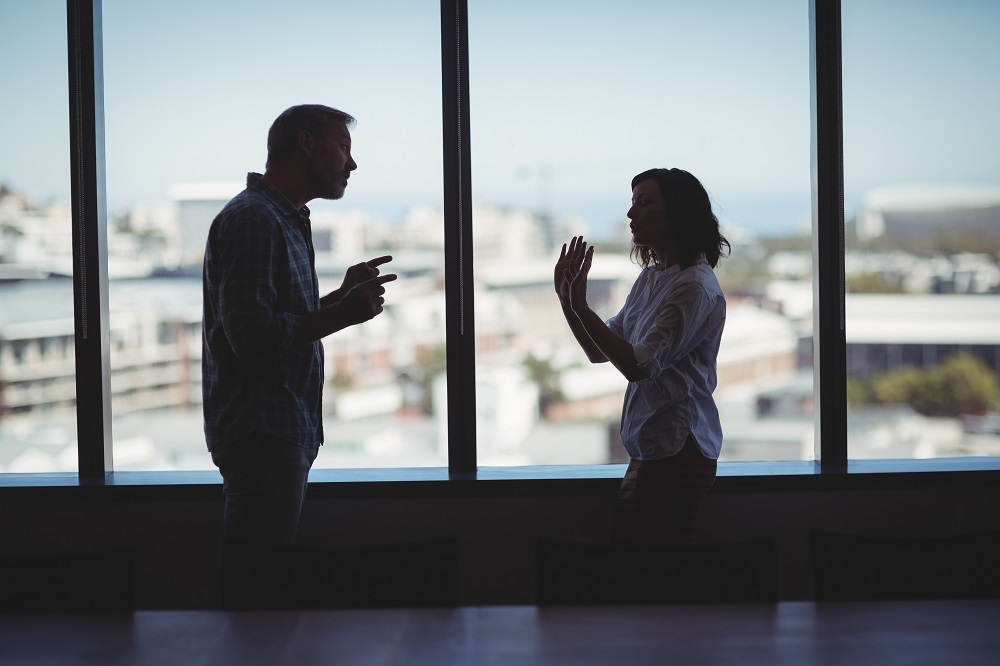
column 644, row 358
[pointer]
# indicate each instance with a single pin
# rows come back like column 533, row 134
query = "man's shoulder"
column 248, row 209
column 249, row 201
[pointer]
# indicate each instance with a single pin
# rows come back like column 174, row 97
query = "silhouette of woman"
column 665, row 341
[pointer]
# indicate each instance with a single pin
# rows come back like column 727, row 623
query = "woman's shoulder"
column 646, row 274
column 701, row 274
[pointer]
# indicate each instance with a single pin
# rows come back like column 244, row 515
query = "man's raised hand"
column 362, row 272
column 365, row 299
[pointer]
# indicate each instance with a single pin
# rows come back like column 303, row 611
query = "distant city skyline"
column 566, row 105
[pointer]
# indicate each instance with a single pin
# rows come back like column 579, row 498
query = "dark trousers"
column 264, row 481
column 659, row 500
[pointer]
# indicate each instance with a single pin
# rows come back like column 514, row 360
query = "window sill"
column 733, row 477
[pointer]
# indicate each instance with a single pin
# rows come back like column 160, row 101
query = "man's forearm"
column 320, row 323
column 331, row 298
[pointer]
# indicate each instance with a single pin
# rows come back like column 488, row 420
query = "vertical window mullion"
column 829, row 338
column 459, row 326
column 90, row 251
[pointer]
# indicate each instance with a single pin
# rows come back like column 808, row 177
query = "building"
column 155, row 331
column 197, row 205
column 888, row 331
column 924, row 209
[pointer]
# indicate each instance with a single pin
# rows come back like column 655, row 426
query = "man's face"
column 332, row 163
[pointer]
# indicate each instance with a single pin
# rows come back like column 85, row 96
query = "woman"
column 665, row 341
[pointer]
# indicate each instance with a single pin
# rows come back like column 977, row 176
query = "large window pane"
column 566, row 107
column 37, row 355
column 190, row 91
column 922, row 180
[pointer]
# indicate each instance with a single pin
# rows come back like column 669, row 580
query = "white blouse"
column 673, row 319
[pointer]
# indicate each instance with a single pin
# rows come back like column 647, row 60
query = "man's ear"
column 307, row 142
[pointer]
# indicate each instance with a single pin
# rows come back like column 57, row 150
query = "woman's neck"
column 665, row 257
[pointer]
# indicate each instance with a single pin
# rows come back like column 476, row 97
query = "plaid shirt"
column 259, row 279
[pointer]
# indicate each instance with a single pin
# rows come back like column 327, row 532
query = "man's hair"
column 693, row 226
column 283, row 137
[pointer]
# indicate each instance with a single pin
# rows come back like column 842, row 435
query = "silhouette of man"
column 264, row 319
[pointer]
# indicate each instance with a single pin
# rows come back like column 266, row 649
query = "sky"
column 568, row 100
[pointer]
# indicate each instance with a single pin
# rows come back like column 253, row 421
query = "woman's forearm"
column 582, row 337
column 615, row 349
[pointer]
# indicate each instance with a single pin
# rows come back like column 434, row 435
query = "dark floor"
column 799, row 633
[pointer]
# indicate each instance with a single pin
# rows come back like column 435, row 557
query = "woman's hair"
column 283, row 136
column 693, row 226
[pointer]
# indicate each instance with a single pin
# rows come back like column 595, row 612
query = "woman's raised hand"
column 571, row 273
column 559, row 276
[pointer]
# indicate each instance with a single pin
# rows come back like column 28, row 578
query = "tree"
column 430, row 364
column 859, row 392
column 962, row 384
column 871, row 283
column 547, row 378
column 340, row 380
column 967, row 385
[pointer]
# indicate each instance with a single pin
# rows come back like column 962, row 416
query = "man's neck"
column 288, row 184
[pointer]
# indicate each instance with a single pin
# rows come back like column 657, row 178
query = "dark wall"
column 178, row 544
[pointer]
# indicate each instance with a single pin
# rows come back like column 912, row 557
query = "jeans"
column 659, row 500
column 264, row 481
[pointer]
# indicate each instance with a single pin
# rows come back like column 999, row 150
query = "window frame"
column 90, row 282
column 90, row 246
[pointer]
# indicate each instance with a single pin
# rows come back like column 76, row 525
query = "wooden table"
column 956, row 633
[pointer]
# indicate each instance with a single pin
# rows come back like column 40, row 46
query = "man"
column 264, row 320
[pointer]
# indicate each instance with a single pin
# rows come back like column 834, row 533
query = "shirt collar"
column 256, row 182
column 675, row 268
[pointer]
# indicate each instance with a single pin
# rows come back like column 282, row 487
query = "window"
column 37, row 374
column 188, row 105
column 922, row 181
column 561, row 123
column 549, row 105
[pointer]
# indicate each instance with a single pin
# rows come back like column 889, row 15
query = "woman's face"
column 648, row 215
